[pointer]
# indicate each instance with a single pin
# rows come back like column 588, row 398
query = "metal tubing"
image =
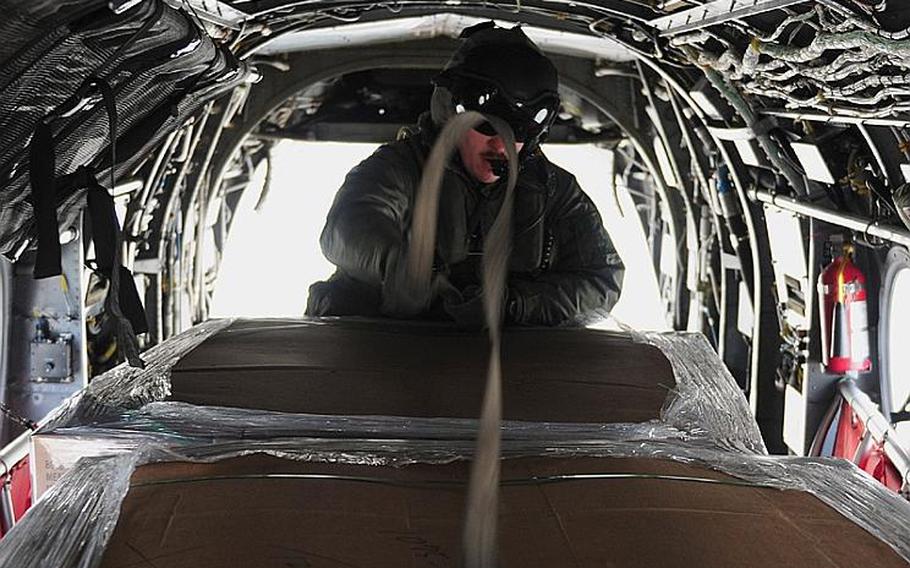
column 173, row 209
column 6, row 304
column 876, row 425
column 10, row 456
column 714, row 13
column 200, row 194
column 635, row 135
column 887, row 232
column 17, row 450
column 875, row 152
column 132, row 225
column 834, row 119
column 702, row 182
column 747, row 216
column 682, row 269
column 175, row 195
column 6, row 504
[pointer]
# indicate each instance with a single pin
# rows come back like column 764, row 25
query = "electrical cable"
column 800, row 77
column 782, row 27
column 771, row 148
column 852, row 19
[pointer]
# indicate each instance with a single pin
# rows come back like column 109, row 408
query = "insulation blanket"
column 161, row 68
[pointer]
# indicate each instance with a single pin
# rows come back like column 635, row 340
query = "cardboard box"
column 54, row 454
column 232, row 513
column 391, row 368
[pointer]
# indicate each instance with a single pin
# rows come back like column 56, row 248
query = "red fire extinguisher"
column 844, row 317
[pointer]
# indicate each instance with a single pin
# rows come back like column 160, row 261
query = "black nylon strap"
column 110, row 105
column 105, row 235
column 44, row 200
column 104, row 224
column 121, row 280
column 42, row 158
column 131, row 302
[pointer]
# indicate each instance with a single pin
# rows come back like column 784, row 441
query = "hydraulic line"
column 681, row 266
column 170, row 221
column 200, row 194
column 733, row 215
column 138, row 206
column 707, row 219
column 756, row 351
column 770, row 147
column 645, row 152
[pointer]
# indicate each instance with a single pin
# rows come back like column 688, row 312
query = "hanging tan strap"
column 481, row 512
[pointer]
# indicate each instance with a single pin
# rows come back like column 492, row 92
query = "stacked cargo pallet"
column 348, row 443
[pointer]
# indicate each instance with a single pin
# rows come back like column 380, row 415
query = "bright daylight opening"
column 273, row 254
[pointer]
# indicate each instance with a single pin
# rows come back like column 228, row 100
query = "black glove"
column 466, row 308
column 400, row 298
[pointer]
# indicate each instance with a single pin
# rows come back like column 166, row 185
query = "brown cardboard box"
column 399, row 369
column 428, row 370
column 52, row 455
column 231, row 514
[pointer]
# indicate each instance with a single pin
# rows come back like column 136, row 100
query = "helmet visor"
column 528, row 119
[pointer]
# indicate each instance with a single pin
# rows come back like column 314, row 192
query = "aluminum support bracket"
column 714, row 13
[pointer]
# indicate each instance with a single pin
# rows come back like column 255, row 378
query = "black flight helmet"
column 500, row 72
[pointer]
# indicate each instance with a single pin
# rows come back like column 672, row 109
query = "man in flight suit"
column 563, row 268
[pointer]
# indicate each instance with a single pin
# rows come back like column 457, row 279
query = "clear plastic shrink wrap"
column 72, row 524
column 124, row 387
column 705, row 421
column 706, row 402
